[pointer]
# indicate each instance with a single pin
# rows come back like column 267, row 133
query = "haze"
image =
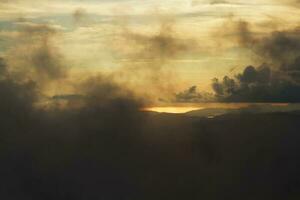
column 149, row 99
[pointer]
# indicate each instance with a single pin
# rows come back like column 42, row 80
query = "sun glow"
column 175, row 108
column 172, row 109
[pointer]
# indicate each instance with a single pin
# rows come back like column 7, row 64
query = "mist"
column 71, row 131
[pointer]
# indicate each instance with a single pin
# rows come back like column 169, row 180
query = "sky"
column 164, row 51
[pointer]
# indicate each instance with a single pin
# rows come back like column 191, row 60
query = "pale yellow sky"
column 106, row 35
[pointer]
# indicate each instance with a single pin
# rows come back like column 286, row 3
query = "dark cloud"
column 80, row 17
column 245, row 36
column 162, row 45
column 15, row 95
column 192, row 95
column 294, row 3
column 47, row 61
column 279, row 48
column 257, row 85
column 3, row 69
column 219, row 2
column 37, row 144
column 275, row 81
column 150, row 56
column 189, row 95
column 213, row 2
column 34, row 54
column 282, row 48
column 67, row 97
column 79, row 14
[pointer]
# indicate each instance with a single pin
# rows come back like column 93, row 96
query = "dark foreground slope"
column 117, row 154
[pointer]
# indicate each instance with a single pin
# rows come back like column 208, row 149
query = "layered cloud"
column 140, row 47
column 276, row 80
column 257, row 85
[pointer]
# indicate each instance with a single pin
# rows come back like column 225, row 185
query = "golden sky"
column 160, row 46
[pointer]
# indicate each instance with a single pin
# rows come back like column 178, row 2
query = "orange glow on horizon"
column 172, row 109
column 177, row 108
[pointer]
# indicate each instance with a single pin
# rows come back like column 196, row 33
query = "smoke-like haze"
column 147, row 57
column 84, row 137
column 277, row 79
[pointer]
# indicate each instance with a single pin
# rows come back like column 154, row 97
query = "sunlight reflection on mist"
column 173, row 109
column 184, row 108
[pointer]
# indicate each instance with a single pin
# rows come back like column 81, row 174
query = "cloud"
column 163, row 44
column 280, row 48
column 149, row 54
column 275, row 81
column 220, row 2
column 3, row 69
column 191, row 95
column 34, row 54
column 15, row 95
column 80, row 17
column 294, row 3
column 52, row 136
column 260, row 84
column 213, row 2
